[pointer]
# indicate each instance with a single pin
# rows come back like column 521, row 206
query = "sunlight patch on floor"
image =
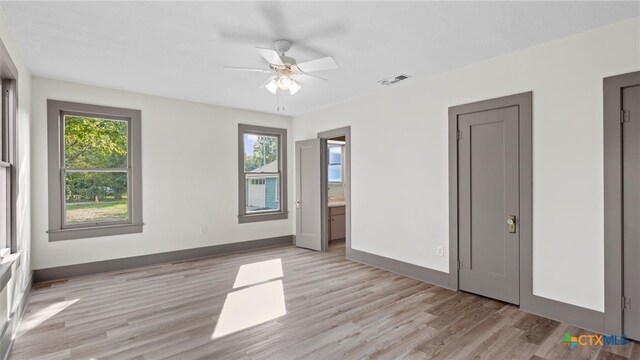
column 254, row 301
column 33, row 321
column 249, row 307
column 258, row 272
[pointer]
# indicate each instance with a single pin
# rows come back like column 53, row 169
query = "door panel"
column 631, row 210
column 338, row 227
column 308, row 195
column 488, row 194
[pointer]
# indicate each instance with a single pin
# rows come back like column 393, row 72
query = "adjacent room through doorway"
column 336, row 195
column 336, row 189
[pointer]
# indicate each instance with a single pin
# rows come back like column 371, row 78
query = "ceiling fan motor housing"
column 288, row 60
column 282, row 46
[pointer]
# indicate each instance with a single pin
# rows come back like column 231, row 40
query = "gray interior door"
column 308, row 194
column 631, row 210
column 488, row 195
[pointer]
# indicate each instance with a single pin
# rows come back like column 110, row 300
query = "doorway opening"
column 336, row 214
column 621, row 204
column 335, row 185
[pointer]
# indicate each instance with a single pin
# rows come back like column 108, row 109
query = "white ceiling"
column 178, row 49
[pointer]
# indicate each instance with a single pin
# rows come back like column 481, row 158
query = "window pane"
column 95, row 143
column 335, row 173
column 4, row 125
column 260, row 153
column 94, row 197
column 335, row 154
column 261, row 193
column 4, row 201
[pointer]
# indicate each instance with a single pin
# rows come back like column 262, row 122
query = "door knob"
column 297, row 204
column 511, row 224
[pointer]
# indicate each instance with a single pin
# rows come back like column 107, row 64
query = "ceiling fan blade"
column 248, row 69
column 270, row 55
column 305, row 76
column 325, row 63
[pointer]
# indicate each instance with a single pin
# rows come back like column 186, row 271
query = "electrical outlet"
column 203, row 230
column 440, row 250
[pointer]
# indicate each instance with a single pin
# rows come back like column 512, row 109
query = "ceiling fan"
column 285, row 70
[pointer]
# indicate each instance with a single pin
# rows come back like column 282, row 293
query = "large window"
column 262, row 175
column 8, row 154
column 6, row 167
column 335, row 161
column 94, row 171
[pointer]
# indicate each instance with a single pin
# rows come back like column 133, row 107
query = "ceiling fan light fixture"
column 294, row 87
column 284, row 82
column 272, row 86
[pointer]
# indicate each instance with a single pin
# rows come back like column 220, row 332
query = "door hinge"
column 459, row 135
column 626, row 303
column 625, row 116
column 459, row 265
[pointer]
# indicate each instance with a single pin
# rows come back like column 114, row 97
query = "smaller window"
column 262, row 173
column 257, row 181
column 336, row 150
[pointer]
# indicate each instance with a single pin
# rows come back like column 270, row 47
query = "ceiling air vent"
column 393, row 80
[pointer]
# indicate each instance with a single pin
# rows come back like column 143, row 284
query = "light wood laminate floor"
column 322, row 307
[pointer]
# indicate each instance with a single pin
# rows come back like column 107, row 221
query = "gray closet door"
column 488, row 196
column 308, row 195
column 631, row 211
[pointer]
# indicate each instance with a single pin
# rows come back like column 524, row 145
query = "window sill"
column 6, row 268
column 243, row 219
column 95, row 231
